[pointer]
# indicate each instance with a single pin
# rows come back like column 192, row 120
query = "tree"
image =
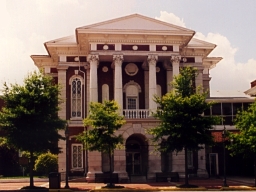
column 46, row 163
column 29, row 117
column 182, row 125
column 8, row 159
column 244, row 141
column 104, row 118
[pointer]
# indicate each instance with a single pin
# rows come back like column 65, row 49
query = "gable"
column 134, row 22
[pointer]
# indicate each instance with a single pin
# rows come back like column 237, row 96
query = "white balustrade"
column 136, row 113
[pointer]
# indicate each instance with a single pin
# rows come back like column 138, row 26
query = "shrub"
column 46, row 163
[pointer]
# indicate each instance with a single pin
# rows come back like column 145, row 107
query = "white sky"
column 27, row 24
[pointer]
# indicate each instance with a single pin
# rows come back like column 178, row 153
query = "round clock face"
column 131, row 69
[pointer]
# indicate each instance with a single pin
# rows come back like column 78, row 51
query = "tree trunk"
column 31, row 167
column 110, row 164
column 254, row 170
column 186, row 166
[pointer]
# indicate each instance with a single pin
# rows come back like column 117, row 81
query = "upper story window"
column 76, row 83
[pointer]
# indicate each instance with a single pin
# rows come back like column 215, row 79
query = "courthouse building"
column 128, row 59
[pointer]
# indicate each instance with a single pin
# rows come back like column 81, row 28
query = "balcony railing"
column 136, row 113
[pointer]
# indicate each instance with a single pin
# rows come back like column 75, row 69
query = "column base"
column 90, row 177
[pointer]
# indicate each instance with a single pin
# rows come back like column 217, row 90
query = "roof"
column 251, row 91
column 136, row 22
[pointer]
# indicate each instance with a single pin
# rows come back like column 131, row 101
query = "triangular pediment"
column 135, row 22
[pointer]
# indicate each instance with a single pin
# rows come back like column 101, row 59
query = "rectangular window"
column 77, row 156
column 131, row 103
column 216, row 109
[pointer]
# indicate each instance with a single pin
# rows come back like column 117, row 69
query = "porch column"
column 94, row 61
column 175, row 60
column 62, row 113
column 118, row 92
column 152, row 59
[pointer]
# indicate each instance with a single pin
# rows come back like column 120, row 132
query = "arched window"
column 76, row 83
column 132, row 90
column 132, row 97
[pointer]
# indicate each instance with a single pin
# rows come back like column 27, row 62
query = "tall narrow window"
column 76, row 97
column 132, row 97
column 77, row 156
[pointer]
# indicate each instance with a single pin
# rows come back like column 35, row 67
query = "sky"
column 27, row 24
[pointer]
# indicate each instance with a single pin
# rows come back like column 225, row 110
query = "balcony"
column 136, row 113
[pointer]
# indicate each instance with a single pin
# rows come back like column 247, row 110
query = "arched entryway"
column 136, row 148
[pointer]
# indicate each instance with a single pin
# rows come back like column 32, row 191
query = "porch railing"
column 136, row 113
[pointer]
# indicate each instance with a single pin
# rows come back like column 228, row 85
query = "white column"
column 152, row 59
column 94, row 61
column 175, row 60
column 199, row 79
column 62, row 113
column 118, row 90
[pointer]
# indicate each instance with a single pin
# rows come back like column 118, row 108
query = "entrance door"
column 214, row 164
column 133, row 163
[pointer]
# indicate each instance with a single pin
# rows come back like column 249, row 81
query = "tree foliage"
column 46, row 163
column 182, row 125
column 244, row 142
column 29, row 117
column 104, row 120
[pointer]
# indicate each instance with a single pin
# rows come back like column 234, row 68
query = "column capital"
column 175, row 59
column 152, row 59
column 117, row 60
column 93, row 59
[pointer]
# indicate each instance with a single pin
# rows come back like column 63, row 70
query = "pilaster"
column 120, row 165
column 94, row 165
column 62, row 75
column 199, row 79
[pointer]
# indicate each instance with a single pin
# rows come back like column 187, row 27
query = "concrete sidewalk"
column 80, row 184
